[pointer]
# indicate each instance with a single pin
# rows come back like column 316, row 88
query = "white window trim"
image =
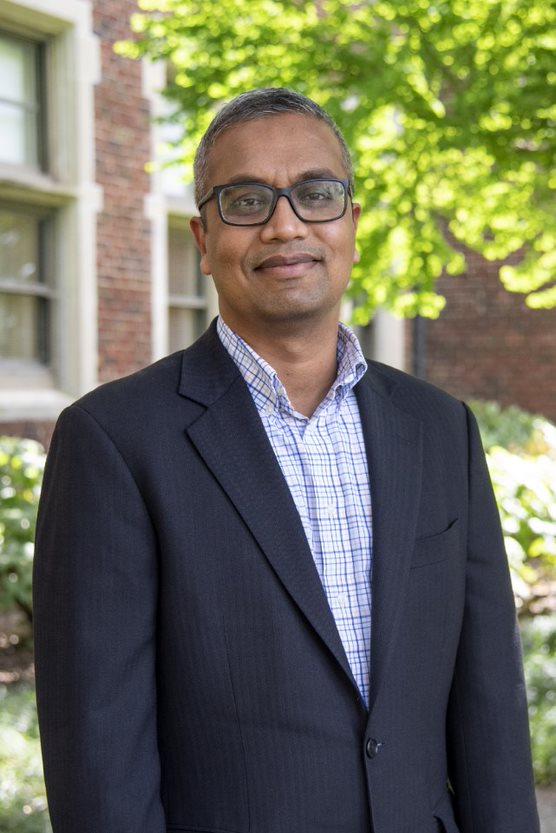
column 73, row 70
column 160, row 209
column 388, row 339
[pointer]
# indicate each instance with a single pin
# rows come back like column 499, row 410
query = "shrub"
column 539, row 650
column 21, row 469
column 521, row 455
column 514, row 429
column 22, row 794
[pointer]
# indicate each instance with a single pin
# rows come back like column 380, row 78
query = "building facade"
column 98, row 272
column 488, row 345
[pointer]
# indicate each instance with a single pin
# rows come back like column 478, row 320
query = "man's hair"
column 257, row 104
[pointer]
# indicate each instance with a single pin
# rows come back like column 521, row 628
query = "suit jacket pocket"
column 437, row 547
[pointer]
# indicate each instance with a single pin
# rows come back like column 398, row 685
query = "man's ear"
column 199, row 232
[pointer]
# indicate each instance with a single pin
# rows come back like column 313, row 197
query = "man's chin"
column 297, row 314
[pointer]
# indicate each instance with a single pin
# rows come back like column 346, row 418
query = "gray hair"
column 256, row 104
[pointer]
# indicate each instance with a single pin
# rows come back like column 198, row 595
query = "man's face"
column 287, row 270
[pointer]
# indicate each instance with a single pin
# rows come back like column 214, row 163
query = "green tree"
column 445, row 103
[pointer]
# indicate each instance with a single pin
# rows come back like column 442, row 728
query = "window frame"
column 43, row 290
column 40, row 106
column 63, row 187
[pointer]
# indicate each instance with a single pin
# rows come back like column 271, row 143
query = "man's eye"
column 316, row 195
column 246, row 203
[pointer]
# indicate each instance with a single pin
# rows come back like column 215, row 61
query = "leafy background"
column 446, row 105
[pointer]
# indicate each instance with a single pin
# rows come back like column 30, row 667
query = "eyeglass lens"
column 315, row 200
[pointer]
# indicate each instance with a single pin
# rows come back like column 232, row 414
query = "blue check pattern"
column 324, row 463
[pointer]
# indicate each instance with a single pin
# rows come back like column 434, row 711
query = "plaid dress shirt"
column 324, row 463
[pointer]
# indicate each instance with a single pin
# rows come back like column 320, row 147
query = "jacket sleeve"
column 488, row 736
column 95, row 596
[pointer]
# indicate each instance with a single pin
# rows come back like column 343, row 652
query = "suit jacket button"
column 372, row 748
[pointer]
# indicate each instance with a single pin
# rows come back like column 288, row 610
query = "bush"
column 514, row 429
column 22, row 793
column 21, row 470
column 539, row 650
column 521, row 455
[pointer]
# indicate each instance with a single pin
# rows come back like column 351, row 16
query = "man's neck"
column 305, row 362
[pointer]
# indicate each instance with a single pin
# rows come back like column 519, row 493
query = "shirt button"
column 372, row 747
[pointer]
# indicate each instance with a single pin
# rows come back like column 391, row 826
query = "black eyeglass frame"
column 216, row 190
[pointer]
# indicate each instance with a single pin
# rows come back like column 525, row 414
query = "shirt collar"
column 266, row 388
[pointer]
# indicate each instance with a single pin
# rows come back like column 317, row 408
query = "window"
column 187, row 297
column 26, row 236
column 49, row 200
column 26, row 289
column 21, row 102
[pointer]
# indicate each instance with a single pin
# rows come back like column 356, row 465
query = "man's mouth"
column 291, row 265
column 285, row 260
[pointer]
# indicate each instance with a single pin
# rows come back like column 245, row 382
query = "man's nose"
column 284, row 223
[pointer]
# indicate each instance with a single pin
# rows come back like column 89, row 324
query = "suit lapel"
column 394, row 446
column 231, row 439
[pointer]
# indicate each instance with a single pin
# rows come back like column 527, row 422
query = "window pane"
column 21, row 327
column 186, row 325
column 184, row 275
column 19, row 247
column 17, row 70
column 19, row 111
column 25, row 308
column 18, row 136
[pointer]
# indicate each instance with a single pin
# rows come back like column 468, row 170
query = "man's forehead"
column 249, row 150
column 301, row 174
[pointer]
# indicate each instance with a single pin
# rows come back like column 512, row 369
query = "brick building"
column 488, row 345
column 98, row 272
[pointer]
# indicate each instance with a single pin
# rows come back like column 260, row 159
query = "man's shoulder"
column 159, row 384
column 139, row 389
column 411, row 393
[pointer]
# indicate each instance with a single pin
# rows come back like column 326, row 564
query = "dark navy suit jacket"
column 190, row 676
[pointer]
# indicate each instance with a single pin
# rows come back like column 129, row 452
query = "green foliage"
column 445, row 104
column 511, row 428
column 21, row 468
column 521, row 455
column 22, row 794
column 539, row 651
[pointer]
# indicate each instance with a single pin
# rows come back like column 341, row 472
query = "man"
column 271, row 590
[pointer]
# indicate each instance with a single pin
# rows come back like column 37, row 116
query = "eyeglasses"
column 253, row 203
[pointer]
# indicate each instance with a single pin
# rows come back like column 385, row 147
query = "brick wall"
column 31, row 429
column 122, row 150
column 488, row 345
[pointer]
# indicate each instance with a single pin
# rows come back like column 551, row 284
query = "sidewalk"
column 546, row 798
